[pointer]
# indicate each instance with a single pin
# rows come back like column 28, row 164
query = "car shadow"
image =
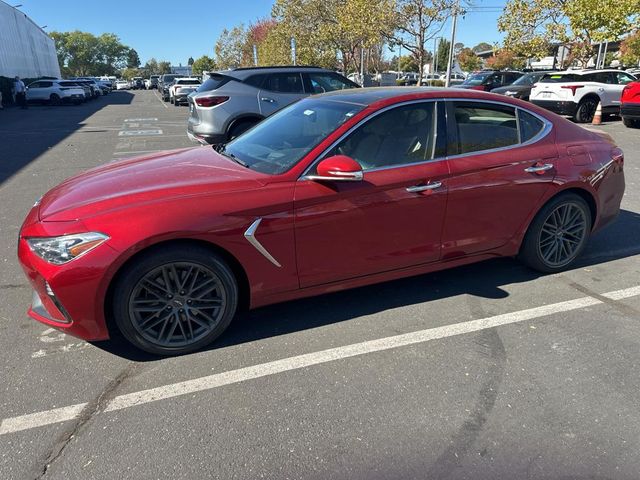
column 483, row 280
column 44, row 126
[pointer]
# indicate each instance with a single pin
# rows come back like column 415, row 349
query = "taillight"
column 210, row 101
column 573, row 88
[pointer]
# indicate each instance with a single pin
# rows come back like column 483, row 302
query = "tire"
column 146, row 309
column 586, row 110
column 537, row 249
column 175, row 103
column 239, row 128
column 54, row 99
column 629, row 123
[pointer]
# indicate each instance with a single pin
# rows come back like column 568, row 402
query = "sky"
column 152, row 29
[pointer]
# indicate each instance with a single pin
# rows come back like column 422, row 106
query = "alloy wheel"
column 177, row 304
column 587, row 111
column 562, row 235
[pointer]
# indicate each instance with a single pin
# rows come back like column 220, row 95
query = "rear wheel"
column 630, row 123
column 586, row 110
column 240, row 127
column 558, row 234
column 54, row 99
column 175, row 301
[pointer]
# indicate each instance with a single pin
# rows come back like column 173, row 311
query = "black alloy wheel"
column 175, row 301
column 586, row 110
column 558, row 234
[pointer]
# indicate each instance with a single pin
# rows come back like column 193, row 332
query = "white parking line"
column 48, row 417
column 159, row 99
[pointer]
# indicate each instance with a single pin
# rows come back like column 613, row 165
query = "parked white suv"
column 576, row 93
column 54, row 92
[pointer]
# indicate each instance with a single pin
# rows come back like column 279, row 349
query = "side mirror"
column 338, row 168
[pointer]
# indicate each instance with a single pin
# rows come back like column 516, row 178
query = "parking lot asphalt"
column 489, row 371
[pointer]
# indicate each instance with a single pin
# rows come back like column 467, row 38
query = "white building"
column 25, row 49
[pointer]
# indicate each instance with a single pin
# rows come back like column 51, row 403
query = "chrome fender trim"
column 250, row 235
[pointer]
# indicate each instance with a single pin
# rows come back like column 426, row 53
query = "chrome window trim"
column 548, row 126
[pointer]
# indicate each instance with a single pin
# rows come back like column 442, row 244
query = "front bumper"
column 558, row 106
column 630, row 111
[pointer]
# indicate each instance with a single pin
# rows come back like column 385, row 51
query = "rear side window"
column 284, row 83
column 600, row 77
column 212, row 83
column 530, row 126
column 327, row 82
column 256, row 80
column 485, row 127
column 46, row 84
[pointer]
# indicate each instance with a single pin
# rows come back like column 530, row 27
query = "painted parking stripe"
column 151, row 119
column 139, row 133
column 48, row 417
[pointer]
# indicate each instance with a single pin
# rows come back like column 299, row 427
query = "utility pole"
column 453, row 39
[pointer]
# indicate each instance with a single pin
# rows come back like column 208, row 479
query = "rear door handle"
column 267, row 99
column 422, row 188
column 537, row 168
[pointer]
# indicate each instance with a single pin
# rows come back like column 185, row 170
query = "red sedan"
column 335, row 191
column 630, row 105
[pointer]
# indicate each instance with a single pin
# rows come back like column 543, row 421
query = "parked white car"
column 181, row 88
column 54, row 92
column 576, row 93
column 122, row 85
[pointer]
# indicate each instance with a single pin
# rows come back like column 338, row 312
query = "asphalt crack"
column 619, row 306
column 93, row 407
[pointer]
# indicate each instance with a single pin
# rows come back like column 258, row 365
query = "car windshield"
column 528, row 79
column 476, row 78
column 279, row 142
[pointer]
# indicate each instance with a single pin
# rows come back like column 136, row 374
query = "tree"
column 133, row 60
column 190, row 61
column 408, row 63
column 164, row 67
column 151, row 67
column 82, row 53
column 442, row 54
column 533, row 26
column 203, row 64
column 630, row 50
column 468, row 60
column 482, row 47
column 418, row 21
column 231, row 48
column 129, row 73
column 506, row 59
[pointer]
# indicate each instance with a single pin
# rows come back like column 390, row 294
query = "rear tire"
column 586, row 110
column 239, row 128
column 175, row 300
column 54, row 99
column 557, row 235
column 629, row 123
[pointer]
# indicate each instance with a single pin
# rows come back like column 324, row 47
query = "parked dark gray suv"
column 164, row 83
column 232, row 101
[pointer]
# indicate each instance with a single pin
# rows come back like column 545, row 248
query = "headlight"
column 59, row 250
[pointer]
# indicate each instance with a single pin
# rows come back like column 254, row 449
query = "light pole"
column 434, row 59
column 453, row 39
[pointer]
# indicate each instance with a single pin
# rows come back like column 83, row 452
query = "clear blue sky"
column 149, row 27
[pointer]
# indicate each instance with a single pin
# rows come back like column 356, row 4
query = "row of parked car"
column 74, row 90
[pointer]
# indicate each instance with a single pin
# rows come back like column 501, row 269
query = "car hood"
column 147, row 179
column 511, row 88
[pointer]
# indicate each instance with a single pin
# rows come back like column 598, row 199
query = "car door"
column 392, row 218
column 279, row 90
column 621, row 79
column 504, row 164
column 37, row 92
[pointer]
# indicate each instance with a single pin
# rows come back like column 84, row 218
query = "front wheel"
column 175, row 300
column 558, row 234
column 629, row 123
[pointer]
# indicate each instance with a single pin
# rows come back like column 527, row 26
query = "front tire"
column 629, row 123
column 175, row 300
column 558, row 234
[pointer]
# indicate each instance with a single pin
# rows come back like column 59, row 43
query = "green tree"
column 442, row 54
column 418, row 21
column 506, row 59
column 468, row 60
column 133, row 60
column 164, row 67
column 190, row 61
column 630, row 50
column 129, row 73
column 151, row 67
column 482, row 47
column 82, row 53
column 231, row 48
column 533, row 26
column 408, row 63
column 203, row 64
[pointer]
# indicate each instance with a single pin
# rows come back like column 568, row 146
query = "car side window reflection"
column 396, row 137
column 484, row 127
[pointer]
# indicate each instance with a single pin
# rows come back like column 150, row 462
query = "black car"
column 487, row 80
column 137, row 83
column 521, row 88
column 165, row 82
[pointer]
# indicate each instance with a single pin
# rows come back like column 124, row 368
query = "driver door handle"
column 267, row 99
column 422, row 188
column 537, row 168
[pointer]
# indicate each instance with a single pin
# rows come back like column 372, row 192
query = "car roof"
column 587, row 71
column 244, row 73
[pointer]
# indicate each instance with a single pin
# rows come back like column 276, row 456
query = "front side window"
column 484, row 126
column 396, row 137
column 623, row 78
column 328, row 82
column 477, row 79
column 284, row 83
column 280, row 141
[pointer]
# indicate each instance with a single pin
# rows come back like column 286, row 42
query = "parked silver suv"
column 232, row 101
